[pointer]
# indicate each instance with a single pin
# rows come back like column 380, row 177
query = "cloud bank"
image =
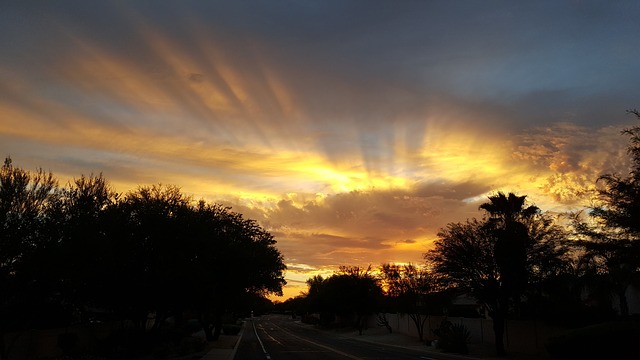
column 352, row 130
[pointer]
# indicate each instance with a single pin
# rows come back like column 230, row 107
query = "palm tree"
column 496, row 259
column 508, row 218
column 509, row 209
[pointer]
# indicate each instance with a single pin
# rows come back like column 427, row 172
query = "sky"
column 351, row 130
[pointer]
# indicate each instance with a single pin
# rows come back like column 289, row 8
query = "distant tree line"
column 83, row 253
column 516, row 261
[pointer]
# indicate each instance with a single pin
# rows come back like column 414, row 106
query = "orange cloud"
column 341, row 167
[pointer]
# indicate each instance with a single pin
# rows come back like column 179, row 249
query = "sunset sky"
column 351, row 130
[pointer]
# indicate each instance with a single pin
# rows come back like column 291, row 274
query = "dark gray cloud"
column 537, row 60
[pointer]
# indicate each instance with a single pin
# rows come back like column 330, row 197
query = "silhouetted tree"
column 495, row 259
column 234, row 258
column 610, row 238
column 361, row 292
column 25, row 198
column 82, row 258
column 351, row 293
column 84, row 248
column 604, row 260
column 619, row 198
column 317, row 299
column 508, row 216
column 408, row 288
column 464, row 258
column 314, row 285
column 155, row 219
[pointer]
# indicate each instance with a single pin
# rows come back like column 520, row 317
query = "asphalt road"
column 277, row 337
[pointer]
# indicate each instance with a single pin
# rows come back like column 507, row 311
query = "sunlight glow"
column 458, row 154
column 224, row 122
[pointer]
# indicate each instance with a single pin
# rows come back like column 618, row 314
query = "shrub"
column 453, row 337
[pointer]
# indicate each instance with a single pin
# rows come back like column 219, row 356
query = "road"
column 278, row 337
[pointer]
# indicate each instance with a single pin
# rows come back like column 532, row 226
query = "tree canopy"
column 351, row 293
column 408, row 287
column 89, row 251
column 610, row 238
column 497, row 258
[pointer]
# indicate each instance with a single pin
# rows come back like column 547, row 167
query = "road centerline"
column 320, row 345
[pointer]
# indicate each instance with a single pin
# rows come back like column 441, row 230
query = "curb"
column 225, row 354
column 235, row 348
column 427, row 351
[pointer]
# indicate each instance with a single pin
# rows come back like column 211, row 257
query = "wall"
column 526, row 337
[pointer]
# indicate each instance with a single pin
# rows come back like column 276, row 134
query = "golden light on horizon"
column 347, row 145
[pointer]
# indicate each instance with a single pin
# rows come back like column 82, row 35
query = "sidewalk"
column 476, row 351
column 225, row 347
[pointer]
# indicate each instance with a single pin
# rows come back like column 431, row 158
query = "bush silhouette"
column 453, row 337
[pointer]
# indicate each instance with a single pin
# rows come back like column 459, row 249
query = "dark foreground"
column 278, row 337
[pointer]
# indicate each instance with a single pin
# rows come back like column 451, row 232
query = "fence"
column 520, row 336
